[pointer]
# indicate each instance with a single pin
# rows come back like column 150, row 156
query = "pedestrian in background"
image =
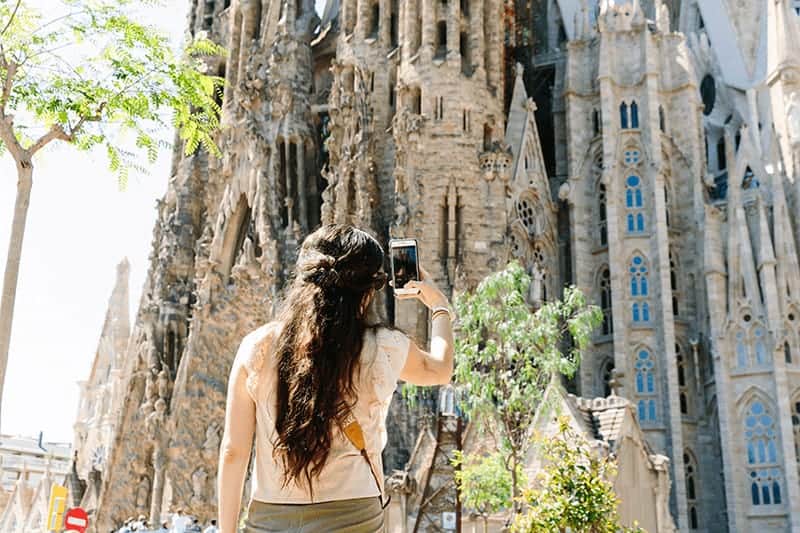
column 126, row 526
column 180, row 521
column 212, row 527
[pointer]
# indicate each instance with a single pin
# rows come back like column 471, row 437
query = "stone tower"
column 634, row 144
column 101, row 396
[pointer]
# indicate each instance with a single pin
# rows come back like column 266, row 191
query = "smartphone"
column 405, row 264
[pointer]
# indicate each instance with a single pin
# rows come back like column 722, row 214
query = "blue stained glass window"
column 754, row 493
column 632, row 157
column 644, row 366
column 623, row 115
column 776, row 492
column 634, row 115
column 761, row 348
column 640, row 289
column 741, row 351
column 634, row 202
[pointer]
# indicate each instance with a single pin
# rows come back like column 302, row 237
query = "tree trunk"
column 24, row 184
column 514, row 485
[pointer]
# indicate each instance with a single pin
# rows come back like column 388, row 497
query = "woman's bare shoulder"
column 254, row 344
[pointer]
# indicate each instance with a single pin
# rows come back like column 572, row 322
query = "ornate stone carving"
column 793, row 118
column 154, row 423
column 496, row 162
column 211, row 444
column 143, row 493
column 199, row 480
column 150, row 391
column 163, row 384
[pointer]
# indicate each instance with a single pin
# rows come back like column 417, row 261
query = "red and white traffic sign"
column 76, row 520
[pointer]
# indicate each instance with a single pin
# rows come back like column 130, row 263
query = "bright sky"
column 79, row 227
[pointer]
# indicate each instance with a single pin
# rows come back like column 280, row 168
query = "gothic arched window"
column 623, row 115
column 596, row 124
column 527, row 215
column 762, row 454
column 605, row 301
column 796, row 426
column 683, row 379
column 690, row 474
column 602, row 215
column 662, row 123
column 634, row 202
column 761, row 348
column 645, row 368
column 607, row 371
column 639, row 289
column 667, row 201
column 634, row 115
column 673, row 282
column 742, row 357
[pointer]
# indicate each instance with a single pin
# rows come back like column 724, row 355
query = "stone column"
column 453, row 30
column 494, row 23
column 287, row 150
column 385, row 23
column 362, row 18
column 158, row 485
column 476, row 18
column 234, row 43
column 302, row 193
column 428, row 25
column 348, row 15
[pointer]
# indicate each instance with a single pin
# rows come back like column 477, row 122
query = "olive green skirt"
column 360, row 515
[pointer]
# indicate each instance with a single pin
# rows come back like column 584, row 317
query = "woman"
column 315, row 381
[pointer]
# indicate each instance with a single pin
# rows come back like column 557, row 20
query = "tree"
column 506, row 355
column 92, row 77
column 574, row 491
column 484, row 483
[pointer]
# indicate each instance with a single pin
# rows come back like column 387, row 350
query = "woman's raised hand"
column 427, row 292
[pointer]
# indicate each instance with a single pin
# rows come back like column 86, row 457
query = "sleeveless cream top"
column 346, row 474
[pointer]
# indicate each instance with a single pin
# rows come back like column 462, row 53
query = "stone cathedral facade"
column 647, row 151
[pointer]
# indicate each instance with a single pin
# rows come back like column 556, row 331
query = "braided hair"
column 318, row 348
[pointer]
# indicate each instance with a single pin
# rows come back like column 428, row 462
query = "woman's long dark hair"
column 318, row 349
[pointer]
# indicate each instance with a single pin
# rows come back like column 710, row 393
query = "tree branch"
column 8, row 83
column 10, row 140
column 57, row 131
column 11, row 19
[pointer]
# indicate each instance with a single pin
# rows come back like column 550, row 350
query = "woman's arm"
column 434, row 367
column 237, row 441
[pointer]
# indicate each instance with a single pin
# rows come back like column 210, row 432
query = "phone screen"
column 404, row 265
